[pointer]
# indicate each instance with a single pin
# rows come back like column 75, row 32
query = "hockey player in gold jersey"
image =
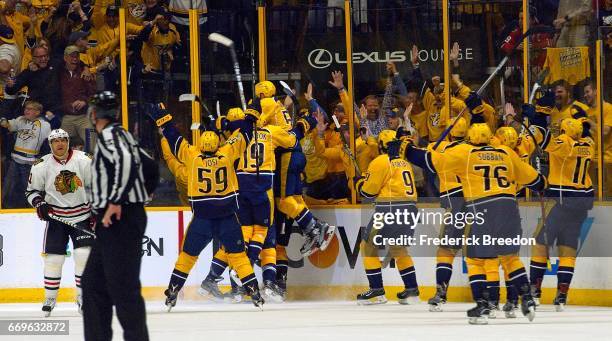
column 571, row 154
column 212, row 188
column 390, row 181
column 451, row 199
column 487, row 175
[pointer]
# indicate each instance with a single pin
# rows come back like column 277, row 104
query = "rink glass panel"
column 305, row 43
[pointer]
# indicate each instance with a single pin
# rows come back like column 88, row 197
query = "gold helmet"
column 459, row 129
column 268, row 110
column 572, row 128
column 507, row 136
column 235, row 114
column 265, row 88
column 209, row 142
column 384, row 137
column 479, row 133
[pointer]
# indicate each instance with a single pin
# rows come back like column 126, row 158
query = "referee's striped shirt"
column 117, row 176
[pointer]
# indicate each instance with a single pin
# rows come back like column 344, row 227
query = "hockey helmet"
column 58, row 134
column 460, row 128
column 235, row 114
column 106, row 105
column 265, row 88
column 572, row 128
column 209, row 142
column 479, row 134
column 507, row 136
column 384, row 137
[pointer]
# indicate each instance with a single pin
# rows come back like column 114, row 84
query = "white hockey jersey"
column 63, row 185
column 30, row 137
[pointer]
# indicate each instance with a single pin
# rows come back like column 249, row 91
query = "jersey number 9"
column 207, row 182
column 408, row 183
column 254, row 152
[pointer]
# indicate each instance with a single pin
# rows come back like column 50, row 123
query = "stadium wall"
column 335, row 274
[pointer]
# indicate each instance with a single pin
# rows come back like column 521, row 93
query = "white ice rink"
column 337, row 321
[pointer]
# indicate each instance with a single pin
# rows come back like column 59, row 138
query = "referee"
column 112, row 274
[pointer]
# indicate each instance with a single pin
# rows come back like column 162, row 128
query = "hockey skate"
column 561, row 298
column 318, row 238
column 408, row 296
column 171, row 297
column 48, row 306
column 236, row 295
column 536, row 293
column 436, row 302
column 493, row 309
column 371, row 297
column 510, row 309
column 480, row 313
column 273, row 292
column 210, row 289
column 79, row 302
column 252, row 290
column 528, row 307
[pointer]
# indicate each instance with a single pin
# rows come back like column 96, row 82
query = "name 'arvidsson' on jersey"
column 63, row 185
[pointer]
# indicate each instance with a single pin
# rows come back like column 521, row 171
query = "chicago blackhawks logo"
column 67, row 182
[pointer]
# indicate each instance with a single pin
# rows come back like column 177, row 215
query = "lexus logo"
column 320, row 58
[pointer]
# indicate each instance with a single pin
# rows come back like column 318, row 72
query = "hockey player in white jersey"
column 57, row 186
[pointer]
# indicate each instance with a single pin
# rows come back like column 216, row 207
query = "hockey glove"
column 253, row 110
column 545, row 103
column 159, row 114
column 42, row 209
column 309, row 122
column 529, row 111
column 393, row 149
column 474, row 102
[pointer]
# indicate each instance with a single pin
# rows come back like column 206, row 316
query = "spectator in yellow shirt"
column 565, row 106
column 590, row 98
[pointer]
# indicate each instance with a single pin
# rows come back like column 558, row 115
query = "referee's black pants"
column 112, row 277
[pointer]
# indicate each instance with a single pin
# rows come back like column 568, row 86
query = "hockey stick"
column 247, row 26
column 296, row 105
column 71, row 224
column 227, row 42
column 501, row 64
column 195, row 98
column 218, row 107
column 347, row 149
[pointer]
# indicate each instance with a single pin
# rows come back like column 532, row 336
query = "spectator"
column 573, row 18
column 31, row 133
column 370, row 116
column 19, row 22
column 10, row 60
column 109, row 30
column 565, row 106
column 153, row 8
column 68, row 17
column 76, row 91
column 590, row 98
column 157, row 50
column 42, row 81
column 94, row 58
column 605, row 14
column 26, row 60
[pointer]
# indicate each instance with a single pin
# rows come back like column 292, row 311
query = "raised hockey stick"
column 510, row 45
column 227, row 42
column 296, row 105
column 188, row 97
column 71, row 224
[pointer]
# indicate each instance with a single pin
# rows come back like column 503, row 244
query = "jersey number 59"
column 207, row 182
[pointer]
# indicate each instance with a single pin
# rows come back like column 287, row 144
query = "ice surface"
column 337, row 321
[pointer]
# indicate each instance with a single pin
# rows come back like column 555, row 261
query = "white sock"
column 53, row 274
column 80, row 260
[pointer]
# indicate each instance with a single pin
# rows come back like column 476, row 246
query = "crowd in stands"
column 55, row 54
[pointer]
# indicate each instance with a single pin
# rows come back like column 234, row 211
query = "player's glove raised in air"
column 159, row 114
column 474, row 103
column 308, row 122
column 545, row 103
column 393, row 149
column 253, row 110
column 42, row 209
